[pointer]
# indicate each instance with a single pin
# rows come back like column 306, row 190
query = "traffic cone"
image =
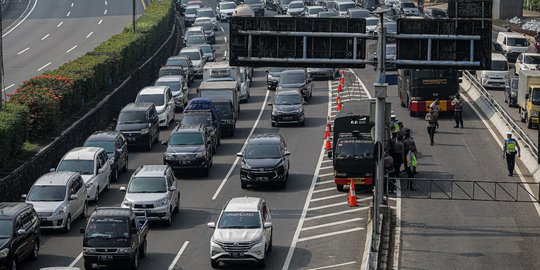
column 338, row 98
column 352, row 195
column 328, row 144
column 342, row 73
column 339, row 105
column 342, row 81
column 327, row 129
column 339, row 88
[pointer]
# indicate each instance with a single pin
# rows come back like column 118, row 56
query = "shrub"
column 13, row 130
column 62, row 87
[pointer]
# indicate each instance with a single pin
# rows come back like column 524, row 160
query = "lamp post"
column 133, row 17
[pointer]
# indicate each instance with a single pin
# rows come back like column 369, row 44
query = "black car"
column 288, row 108
column 272, row 77
column 115, row 145
column 511, row 91
column 272, row 4
column 19, row 234
column 205, row 118
column 185, row 63
column 265, row 160
column 228, row 116
column 189, row 147
column 297, row 79
column 138, row 122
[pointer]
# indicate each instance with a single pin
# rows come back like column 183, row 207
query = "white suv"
column 243, row 232
column 162, row 98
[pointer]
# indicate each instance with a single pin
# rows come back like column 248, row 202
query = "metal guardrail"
column 519, row 132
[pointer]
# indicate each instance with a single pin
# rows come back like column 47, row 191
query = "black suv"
column 138, row 122
column 115, row 145
column 19, row 234
column 297, row 79
column 265, row 160
column 185, row 63
column 204, row 117
column 288, row 107
column 189, row 147
column 228, row 116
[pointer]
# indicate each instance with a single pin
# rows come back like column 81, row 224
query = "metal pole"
column 133, row 17
column 2, row 93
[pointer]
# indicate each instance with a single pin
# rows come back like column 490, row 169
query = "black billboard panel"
column 472, row 9
column 279, row 41
column 445, row 53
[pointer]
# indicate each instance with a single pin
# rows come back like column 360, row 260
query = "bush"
column 13, row 130
column 61, row 86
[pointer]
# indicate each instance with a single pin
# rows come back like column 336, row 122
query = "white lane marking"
column 225, row 54
column 361, row 83
column 329, row 234
column 105, row 12
column 60, row 24
column 46, row 36
column 23, row 19
column 225, row 38
column 365, row 265
column 263, row 107
column 69, row 13
column 327, row 167
column 72, row 48
column 333, row 266
column 325, row 174
column 308, row 201
column 182, row 249
column 329, row 197
column 222, row 30
column 323, row 190
column 100, row 21
column 87, row 36
column 337, row 213
column 74, row 262
column 106, row 3
column 331, row 224
column 11, row 85
column 21, row 52
column 72, row 4
column 326, row 161
column 324, row 182
column 46, row 65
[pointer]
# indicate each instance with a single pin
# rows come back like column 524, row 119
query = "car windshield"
column 135, row 117
column 263, row 151
column 315, row 10
column 285, row 2
column 206, row 25
column 191, row 11
column 330, row 5
column 107, row 145
column 193, row 55
column 47, row 194
column 174, row 86
column 6, row 228
column 518, row 42
column 288, row 100
column 225, row 109
column 82, row 166
column 296, row 5
column 227, row 5
column 156, row 99
column 186, row 139
column 408, row 5
column 196, row 40
column 354, row 149
column 206, row 49
column 346, row 6
column 288, row 78
column 372, row 21
column 194, row 119
column 177, row 62
column 170, row 71
column 107, row 227
column 205, row 13
column 239, row 220
column 147, row 185
column 499, row 65
column 531, row 59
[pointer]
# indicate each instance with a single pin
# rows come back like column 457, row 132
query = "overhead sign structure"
column 443, row 43
column 297, row 42
column 472, row 9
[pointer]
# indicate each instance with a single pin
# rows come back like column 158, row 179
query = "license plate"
column 237, row 255
column 262, row 178
column 287, row 118
column 131, row 139
column 148, row 212
column 105, row 257
column 183, row 162
column 496, row 84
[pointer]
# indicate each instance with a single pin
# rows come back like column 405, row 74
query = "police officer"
column 457, row 103
column 511, row 147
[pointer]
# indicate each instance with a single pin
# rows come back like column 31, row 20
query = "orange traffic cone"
column 327, row 129
column 339, row 105
column 343, row 73
column 328, row 144
column 352, row 195
column 339, row 88
column 338, row 98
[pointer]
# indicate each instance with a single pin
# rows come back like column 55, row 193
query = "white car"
column 296, row 8
column 197, row 58
column 371, row 24
column 162, row 98
column 527, row 61
column 58, row 198
column 244, row 85
column 94, row 166
column 178, row 86
column 225, row 10
column 343, row 7
column 313, row 11
column 208, row 12
column 408, row 8
column 243, row 232
column 192, row 31
column 153, row 190
column 498, row 76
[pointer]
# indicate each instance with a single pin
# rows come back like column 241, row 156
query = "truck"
column 221, row 89
column 353, row 145
column 528, row 96
column 221, row 71
column 418, row 88
column 115, row 236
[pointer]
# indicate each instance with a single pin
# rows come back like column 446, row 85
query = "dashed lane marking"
column 21, row 52
column 331, row 224
column 11, row 85
column 69, row 13
column 72, row 48
column 327, row 167
column 72, row 4
column 46, row 36
column 46, row 65
column 175, row 261
column 326, row 174
column 60, row 24
column 74, row 262
column 329, row 234
column 100, row 21
column 338, row 213
column 105, row 12
column 87, row 36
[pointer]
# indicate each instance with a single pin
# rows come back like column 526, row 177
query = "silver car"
column 153, row 189
column 58, row 198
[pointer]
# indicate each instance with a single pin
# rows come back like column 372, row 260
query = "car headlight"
column 4, row 252
column 201, row 154
column 246, row 166
column 144, row 131
column 299, row 110
column 198, row 66
column 89, row 250
column 127, row 203
column 124, row 250
column 168, row 155
column 161, row 202
column 256, row 241
column 59, row 212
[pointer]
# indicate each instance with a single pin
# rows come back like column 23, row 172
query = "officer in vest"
column 511, row 147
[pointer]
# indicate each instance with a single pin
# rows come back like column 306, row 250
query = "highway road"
column 40, row 35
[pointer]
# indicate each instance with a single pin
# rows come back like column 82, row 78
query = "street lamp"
column 133, row 17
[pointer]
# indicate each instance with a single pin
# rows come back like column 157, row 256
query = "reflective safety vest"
column 412, row 159
column 395, row 128
column 510, row 145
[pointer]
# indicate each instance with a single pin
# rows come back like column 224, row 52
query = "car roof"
column 264, row 138
column 107, row 136
column 227, row 2
column 143, row 106
column 288, row 93
column 178, row 57
column 513, row 34
column 170, row 78
column 247, row 204
column 218, row 84
column 194, row 6
column 190, row 128
column 301, row 2
column 150, row 171
column 55, row 178
column 83, row 153
column 112, row 212
column 153, row 90
column 11, row 209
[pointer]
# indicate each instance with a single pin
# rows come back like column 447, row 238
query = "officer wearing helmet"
column 510, row 149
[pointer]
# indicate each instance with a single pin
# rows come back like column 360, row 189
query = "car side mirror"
column 101, row 170
column 267, row 225
column 239, row 154
column 211, row 225
column 81, row 230
column 173, row 188
column 164, row 142
column 73, row 197
column 270, row 104
column 23, row 197
column 329, row 154
column 52, row 170
column 123, row 189
column 287, row 153
column 21, row 232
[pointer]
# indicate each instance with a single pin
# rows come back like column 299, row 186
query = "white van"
column 512, row 44
column 499, row 74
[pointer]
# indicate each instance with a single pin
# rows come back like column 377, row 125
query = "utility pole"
column 2, row 94
column 133, row 16
column 380, row 112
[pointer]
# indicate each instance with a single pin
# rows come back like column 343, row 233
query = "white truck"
column 528, row 97
column 213, row 90
column 221, row 71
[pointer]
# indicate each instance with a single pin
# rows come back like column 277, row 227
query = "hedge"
column 13, row 130
column 51, row 97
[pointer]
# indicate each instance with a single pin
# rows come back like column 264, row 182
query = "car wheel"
column 156, row 139
column 339, row 187
column 35, row 251
column 125, row 168
column 214, row 264
column 243, row 185
column 84, row 214
column 529, row 122
column 303, row 123
column 114, row 174
column 142, row 249
column 67, row 227
column 167, row 123
column 412, row 114
column 274, row 124
column 88, row 266
column 108, row 186
column 135, row 262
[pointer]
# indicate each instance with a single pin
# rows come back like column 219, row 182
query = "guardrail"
column 519, row 132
